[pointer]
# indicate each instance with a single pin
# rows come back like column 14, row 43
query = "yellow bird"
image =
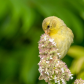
column 57, row 30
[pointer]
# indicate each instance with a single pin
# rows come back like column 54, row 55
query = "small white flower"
column 55, row 81
column 55, row 78
column 62, row 70
column 58, row 53
column 50, row 79
column 71, row 77
column 63, row 81
column 47, row 61
column 57, row 49
column 42, row 58
column 51, row 40
column 41, row 73
column 54, row 43
column 58, row 62
column 42, row 45
column 40, row 69
column 47, row 73
column 58, row 82
column 45, row 38
column 51, row 57
column 59, row 56
column 56, row 71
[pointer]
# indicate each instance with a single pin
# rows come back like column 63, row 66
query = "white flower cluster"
column 79, row 81
column 51, row 68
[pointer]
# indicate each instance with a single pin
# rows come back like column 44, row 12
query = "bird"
column 57, row 30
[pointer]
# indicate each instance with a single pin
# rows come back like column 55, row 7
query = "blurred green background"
column 20, row 31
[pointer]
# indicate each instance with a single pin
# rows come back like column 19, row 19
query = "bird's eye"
column 48, row 27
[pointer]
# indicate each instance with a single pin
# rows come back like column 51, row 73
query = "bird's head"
column 52, row 24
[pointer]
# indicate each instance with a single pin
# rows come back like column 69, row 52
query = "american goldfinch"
column 57, row 30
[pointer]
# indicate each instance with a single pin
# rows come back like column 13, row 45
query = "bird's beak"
column 47, row 31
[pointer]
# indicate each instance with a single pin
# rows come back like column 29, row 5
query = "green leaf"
column 77, row 65
column 81, row 75
column 76, row 51
column 29, row 68
column 3, row 8
column 28, row 17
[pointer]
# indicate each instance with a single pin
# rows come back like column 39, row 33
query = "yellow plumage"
column 57, row 30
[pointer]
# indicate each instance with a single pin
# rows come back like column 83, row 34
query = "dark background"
column 20, row 31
